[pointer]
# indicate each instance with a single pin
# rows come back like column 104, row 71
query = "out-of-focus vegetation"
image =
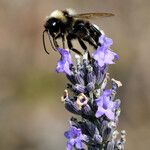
column 32, row 116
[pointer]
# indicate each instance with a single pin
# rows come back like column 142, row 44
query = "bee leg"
column 91, row 41
column 84, row 47
column 51, row 39
column 82, row 44
column 86, row 34
column 63, row 41
column 55, row 42
column 61, row 35
column 70, row 46
column 58, row 36
column 96, row 34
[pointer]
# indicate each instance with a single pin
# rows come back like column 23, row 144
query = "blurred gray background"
column 32, row 116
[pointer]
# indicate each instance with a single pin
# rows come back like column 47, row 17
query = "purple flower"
column 106, row 106
column 75, row 137
column 105, row 41
column 63, row 65
column 103, row 55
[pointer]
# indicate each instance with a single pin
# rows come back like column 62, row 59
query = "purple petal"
column 105, row 41
column 75, row 137
column 106, row 106
column 116, row 56
column 117, row 104
column 79, row 145
column 63, row 67
column 110, row 115
column 72, row 141
column 69, row 146
column 65, row 62
column 109, row 57
column 107, row 92
column 99, row 101
column 67, row 134
column 103, row 55
column 100, row 112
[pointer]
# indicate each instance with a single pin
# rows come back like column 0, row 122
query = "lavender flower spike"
column 96, row 106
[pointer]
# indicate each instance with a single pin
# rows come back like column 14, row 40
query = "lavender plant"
column 91, row 99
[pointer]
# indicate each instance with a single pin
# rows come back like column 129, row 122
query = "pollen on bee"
column 71, row 11
column 57, row 14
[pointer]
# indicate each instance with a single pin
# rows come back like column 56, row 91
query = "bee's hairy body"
column 63, row 24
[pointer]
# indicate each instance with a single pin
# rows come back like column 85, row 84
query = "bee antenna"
column 44, row 42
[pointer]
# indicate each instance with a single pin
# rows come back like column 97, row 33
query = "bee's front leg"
column 61, row 35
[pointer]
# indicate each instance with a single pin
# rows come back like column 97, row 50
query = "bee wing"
column 93, row 15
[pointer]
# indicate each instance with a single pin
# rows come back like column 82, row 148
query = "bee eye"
column 53, row 25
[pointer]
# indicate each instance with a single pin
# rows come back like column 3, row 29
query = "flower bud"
column 81, row 100
column 86, row 110
column 90, row 86
column 79, row 88
column 116, row 84
column 72, row 107
column 110, row 145
column 78, row 79
column 98, row 139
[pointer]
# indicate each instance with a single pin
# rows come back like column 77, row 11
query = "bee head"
column 52, row 25
column 54, row 21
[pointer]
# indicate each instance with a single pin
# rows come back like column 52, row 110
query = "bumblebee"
column 68, row 25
